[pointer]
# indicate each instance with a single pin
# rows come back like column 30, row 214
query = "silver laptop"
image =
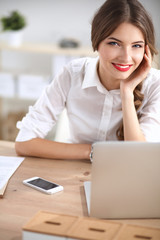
column 125, row 180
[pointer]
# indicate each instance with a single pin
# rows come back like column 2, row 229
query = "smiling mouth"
column 122, row 67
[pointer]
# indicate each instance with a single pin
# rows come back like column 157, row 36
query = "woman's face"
column 120, row 54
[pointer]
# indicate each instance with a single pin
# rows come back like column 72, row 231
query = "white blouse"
column 94, row 113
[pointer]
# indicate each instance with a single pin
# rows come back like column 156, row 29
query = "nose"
column 125, row 55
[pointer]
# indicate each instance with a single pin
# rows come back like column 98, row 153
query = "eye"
column 113, row 43
column 137, row 46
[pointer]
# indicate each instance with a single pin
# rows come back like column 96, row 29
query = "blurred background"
column 55, row 32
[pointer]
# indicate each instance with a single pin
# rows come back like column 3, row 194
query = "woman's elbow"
column 18, row 148
column 21, row 148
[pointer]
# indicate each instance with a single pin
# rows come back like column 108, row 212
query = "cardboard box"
column 9, row 130
column 132, row 232
column 47, row 226
column 7, row 85
column 30, row 86
column 93, row 229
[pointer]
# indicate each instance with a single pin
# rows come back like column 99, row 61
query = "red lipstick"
column 122, row 67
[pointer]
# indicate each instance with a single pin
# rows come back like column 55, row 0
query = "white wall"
column 47, row 22
column 153, row 7
column 50, row 20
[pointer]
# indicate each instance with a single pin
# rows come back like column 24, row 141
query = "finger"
column 148, row 55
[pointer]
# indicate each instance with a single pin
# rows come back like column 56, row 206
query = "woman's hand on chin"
column 128, row 85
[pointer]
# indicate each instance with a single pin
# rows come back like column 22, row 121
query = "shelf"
column 50, row 49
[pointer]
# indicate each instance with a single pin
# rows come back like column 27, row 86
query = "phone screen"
column 43, row 183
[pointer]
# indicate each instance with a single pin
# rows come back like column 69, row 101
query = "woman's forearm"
column 44, row 148
column 132, row 131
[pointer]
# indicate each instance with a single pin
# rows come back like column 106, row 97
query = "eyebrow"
column 112, row 38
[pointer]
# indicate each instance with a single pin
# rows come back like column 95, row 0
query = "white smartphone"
column 43, row 185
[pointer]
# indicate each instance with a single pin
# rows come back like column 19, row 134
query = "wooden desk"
column 20, row 202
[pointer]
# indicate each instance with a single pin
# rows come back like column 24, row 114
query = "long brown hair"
column 110, row 15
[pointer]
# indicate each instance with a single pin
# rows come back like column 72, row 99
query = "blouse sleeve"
column 150, row 112
column 44, row 114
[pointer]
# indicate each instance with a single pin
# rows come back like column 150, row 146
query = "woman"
column 113, row 97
